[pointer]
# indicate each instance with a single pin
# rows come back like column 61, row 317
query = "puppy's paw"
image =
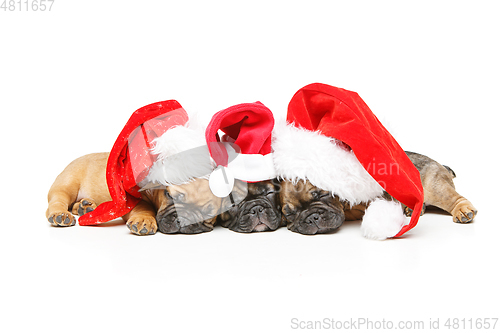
column 408, row 211
column 83, row 206
column 464, row 212
column 142, row 225
column 62, row 219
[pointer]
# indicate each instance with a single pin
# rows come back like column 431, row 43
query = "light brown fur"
column 84, row 178
column 194, row 196
column 81, row 187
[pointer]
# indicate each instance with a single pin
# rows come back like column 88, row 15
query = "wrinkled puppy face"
column 254, row 208
column 309, row 210
column 188, row 209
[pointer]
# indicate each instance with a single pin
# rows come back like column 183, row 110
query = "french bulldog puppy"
column 310, row 210
column 81, row 187
column 188, row 209
column 252, row 207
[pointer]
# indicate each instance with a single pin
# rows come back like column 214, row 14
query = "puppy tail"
column 383, row 219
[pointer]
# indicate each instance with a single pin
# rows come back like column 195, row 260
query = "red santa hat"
column 244, row 151
column 132, row 158
column 335, row 141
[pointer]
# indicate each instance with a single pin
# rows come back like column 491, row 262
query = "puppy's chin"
column 256, row 215
column 261, row 227
column 317, row 218
column 185, row 222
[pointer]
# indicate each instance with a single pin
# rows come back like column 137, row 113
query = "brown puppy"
column 310, row 210
column 255, row 207
column 81, row 187
column 188, row 209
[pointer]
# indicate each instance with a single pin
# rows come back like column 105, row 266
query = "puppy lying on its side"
column 309, row 210
column 81, row 187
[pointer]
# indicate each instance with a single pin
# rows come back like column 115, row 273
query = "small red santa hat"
column 335, row 141
column 132, row 158
column 244, row 151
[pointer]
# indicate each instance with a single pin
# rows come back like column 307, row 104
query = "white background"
column 70, row 78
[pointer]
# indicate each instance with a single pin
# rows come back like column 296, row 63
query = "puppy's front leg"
column 141, row 219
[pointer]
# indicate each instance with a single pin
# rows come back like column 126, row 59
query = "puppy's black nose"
column 313, row 218
column 256, row 210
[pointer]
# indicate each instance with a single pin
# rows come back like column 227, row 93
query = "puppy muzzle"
column 256, row 215
column 183, row 221
column 318, row 218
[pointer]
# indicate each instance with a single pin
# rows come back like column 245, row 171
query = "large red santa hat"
column 244, row 150
column 335, row 141
column 132, row 158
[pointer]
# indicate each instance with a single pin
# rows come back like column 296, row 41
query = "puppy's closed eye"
column 316, row 195
column 178, row 197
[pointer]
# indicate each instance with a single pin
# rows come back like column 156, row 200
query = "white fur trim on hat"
column 250, row 167
column 383, row 219
column 303, row 154
column 182, row 156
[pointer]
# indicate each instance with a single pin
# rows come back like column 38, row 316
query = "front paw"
column 409, row 212
column 83, row 206
column 142, row 226
column 62, row 219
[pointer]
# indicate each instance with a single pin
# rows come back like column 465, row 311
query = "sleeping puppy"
column 310, row 210
column 81, row 187
column 188, row 209
column 252, row 207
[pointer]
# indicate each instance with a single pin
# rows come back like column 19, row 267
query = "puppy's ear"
column 289, row 212
column 450, row 170
column 227, row 203
column 289, row 209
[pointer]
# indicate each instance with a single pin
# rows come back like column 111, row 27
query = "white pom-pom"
column 383, row 219
column 182, row 156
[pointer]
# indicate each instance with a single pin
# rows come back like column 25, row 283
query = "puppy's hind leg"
column 439, row 191
column 61, row 196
